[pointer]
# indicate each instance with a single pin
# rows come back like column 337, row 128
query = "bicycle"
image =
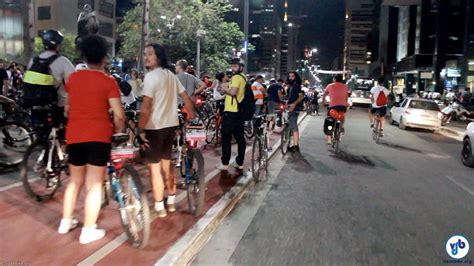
column 260, row 149
column 377, row 131
column 15, row 140
column 43, row 163
column 287, row 133
column 191, row 163
column 336, row 128
column 125, row 187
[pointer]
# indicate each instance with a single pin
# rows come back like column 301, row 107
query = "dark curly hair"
column 94, row 48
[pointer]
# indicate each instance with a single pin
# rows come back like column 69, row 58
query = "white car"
column 467, row 153
column 361, row 97
column 416, row 113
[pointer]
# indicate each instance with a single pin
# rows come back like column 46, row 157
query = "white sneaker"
column 222, row 167
column 239, row 167
column 91, row 234
column 67, row 225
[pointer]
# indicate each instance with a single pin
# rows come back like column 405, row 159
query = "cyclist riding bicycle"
column 379, row 97
column 338, row 96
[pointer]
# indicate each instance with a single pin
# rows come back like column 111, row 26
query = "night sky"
column 322, row 27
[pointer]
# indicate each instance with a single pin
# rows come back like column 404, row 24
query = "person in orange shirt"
column 259, row 93
column 338, row 96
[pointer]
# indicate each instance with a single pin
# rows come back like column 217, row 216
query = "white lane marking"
column 468, row 190
column 122, row 238
column 17, row 184
column 175, row 252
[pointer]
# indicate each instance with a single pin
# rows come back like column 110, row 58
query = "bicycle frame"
column 55, row 145
column 114, row 184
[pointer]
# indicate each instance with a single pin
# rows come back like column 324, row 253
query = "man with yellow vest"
column 259, row 93
column 233, row 121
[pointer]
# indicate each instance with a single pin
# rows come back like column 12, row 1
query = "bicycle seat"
column 120, row 138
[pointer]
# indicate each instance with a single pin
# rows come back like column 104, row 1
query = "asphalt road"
column 395, row 203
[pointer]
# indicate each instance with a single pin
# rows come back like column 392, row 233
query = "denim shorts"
column 293, row 120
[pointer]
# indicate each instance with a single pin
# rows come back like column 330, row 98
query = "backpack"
column 38, row 83
column 247, row 106
column 382, row 99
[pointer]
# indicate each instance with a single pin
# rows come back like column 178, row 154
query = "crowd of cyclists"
column 91, row 103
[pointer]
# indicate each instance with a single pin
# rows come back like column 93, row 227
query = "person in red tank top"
column 91, row 93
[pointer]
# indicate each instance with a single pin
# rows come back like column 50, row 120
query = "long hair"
column 160, row 53
column 296, row 81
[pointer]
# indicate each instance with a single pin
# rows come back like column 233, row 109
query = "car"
column 361, row 97
column 416, row 113
column 467, row 153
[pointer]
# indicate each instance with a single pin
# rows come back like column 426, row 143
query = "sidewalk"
column 29, row 228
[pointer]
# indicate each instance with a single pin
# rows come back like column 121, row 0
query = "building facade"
column 15, row 41
column 63, row 14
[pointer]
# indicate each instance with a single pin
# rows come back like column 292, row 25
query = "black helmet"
column 52, row 38
column 237, row 61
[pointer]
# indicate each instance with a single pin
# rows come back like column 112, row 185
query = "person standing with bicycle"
column 295, row 106
column 158, row 124
column 379, row 97
column 89, row 133
column 233, row 120
column 338, row 96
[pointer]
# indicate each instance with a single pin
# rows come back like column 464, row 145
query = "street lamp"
column 200, row 33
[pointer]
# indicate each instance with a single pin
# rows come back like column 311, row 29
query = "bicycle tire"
column 211, row 130
column 196, row 186
column 15, row 141
column 285, row 140
column 249, row 130
column 336, row 140
column 28, row 180
column 143, row 213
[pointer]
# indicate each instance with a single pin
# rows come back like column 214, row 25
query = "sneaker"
column 222, row 167
column 381, row 132
column 238, row 167
column 295, row 148
column 161, row 213
column 67, row 225
column 91, row 234
column 171, row 207
column 329, row 142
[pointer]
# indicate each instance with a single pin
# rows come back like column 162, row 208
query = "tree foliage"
column 68, row 47
column 174, row 24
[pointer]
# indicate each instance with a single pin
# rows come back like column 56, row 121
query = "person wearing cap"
column 61, row 68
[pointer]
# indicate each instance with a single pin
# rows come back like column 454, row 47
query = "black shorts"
column 93, row 153
column 339, row 108
column 161, row 144
column 382, row 111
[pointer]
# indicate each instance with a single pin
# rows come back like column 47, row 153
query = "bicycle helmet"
column 237, row 61
column 52, row 38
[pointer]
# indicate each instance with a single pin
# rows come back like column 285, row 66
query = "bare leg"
column 382, row 120
column 157, row 181
column 72, row 190
column 296, row 138
column 371, row 117
column 94, row 184
column 170, row 178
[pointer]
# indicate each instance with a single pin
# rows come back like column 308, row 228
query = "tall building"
column 360, row 38
column 432, row 44
column 63, row 14
column 291, row 51
column 15, row 41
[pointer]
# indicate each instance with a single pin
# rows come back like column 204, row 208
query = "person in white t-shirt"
column 158, row 123
column 379, row 97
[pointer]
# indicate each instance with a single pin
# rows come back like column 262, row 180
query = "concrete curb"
column 451, row 133
column 184, row 250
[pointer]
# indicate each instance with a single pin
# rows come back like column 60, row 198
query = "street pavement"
column 395, row 203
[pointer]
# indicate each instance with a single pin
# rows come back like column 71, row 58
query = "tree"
column 68, row 47
column 174, row 24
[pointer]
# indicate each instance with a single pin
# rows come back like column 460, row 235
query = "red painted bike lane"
column 28, row 228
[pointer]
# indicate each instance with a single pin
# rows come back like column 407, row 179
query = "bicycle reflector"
column 336, row 114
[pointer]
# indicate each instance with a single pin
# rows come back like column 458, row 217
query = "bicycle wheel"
column 20, row 117
column 285, row 140
column 211, row 130
column 37, row 181
column 195, row 182
column 15, row 140
column 259, row 160
column 134, row 210
column 337, row 139
column 249, row 129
